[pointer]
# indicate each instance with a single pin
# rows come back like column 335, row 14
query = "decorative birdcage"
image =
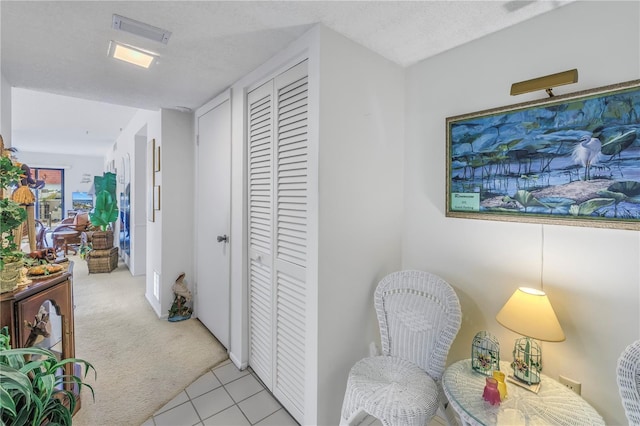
column 527, row 360
column 485, row 353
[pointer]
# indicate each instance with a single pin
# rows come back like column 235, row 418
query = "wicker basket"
column 102, row 260
column 102, row 240
column 9, row 276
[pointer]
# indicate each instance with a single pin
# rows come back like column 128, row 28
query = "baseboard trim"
column 237, row 362
column 153, row 304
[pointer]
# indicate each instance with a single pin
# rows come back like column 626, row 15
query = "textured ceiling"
column 61, row 47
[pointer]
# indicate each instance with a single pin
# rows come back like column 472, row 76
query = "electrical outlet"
column 571, row 384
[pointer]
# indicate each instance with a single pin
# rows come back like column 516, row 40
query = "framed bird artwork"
column 572, row 159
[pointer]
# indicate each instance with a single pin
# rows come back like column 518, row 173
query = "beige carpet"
column 142, row 362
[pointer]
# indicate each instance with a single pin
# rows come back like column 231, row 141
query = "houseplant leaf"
column 32, row 393
column 11, row 217
column 105, row 210
column 6, row 402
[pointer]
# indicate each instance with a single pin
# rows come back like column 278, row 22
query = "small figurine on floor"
column 182, row 296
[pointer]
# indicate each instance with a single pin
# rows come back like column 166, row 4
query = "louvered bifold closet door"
column 278, row 150
column 260, row 141
column 291, row 183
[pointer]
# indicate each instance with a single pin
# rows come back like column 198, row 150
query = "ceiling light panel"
column 130, row 54
column 140, row 29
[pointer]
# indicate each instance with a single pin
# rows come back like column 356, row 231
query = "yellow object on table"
column 502, row 386
column 23, row 196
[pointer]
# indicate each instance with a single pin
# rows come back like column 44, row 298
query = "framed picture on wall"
column 572, row 159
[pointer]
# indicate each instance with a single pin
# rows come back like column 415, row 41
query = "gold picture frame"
column 568, row 160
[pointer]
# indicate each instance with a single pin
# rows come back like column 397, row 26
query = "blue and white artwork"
column 574, row 158
column 82, row 201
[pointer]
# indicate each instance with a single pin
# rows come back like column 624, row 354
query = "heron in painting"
column 587, row 152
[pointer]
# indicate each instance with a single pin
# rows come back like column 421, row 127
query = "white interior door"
column 213, row 220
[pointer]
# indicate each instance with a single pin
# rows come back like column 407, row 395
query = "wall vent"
column 156, row 285
column 140, row 29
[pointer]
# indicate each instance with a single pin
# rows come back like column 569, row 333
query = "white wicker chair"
column 629, row 382
column 419, row 316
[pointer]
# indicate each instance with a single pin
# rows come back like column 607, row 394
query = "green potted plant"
column 105, row 211
column 33, row 387
column 12, row 215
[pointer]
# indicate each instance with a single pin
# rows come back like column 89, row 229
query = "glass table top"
column 553, row 404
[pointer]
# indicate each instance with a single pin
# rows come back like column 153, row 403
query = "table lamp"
column 529, row 312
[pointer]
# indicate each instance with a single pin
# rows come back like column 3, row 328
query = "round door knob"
column 223, row 238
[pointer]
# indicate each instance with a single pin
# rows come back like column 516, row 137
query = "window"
column 50, row 195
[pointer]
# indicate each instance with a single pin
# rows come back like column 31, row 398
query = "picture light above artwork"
column 547, row 83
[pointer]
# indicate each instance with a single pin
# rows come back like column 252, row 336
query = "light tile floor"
column 224, row 396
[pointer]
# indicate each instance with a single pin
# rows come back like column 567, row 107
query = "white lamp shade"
column 528, row 312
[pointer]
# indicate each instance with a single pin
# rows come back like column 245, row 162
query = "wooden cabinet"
column 42, row 315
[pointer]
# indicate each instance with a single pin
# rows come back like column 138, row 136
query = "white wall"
column 361, row 132
column 168, row 249
column 591, row 275
column 132, row 141
column 5, row 110
column 177, row 200
column 74, row 167
column 145, row 236
column 138, row 208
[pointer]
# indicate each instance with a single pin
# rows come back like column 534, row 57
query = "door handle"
column 223, row 238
